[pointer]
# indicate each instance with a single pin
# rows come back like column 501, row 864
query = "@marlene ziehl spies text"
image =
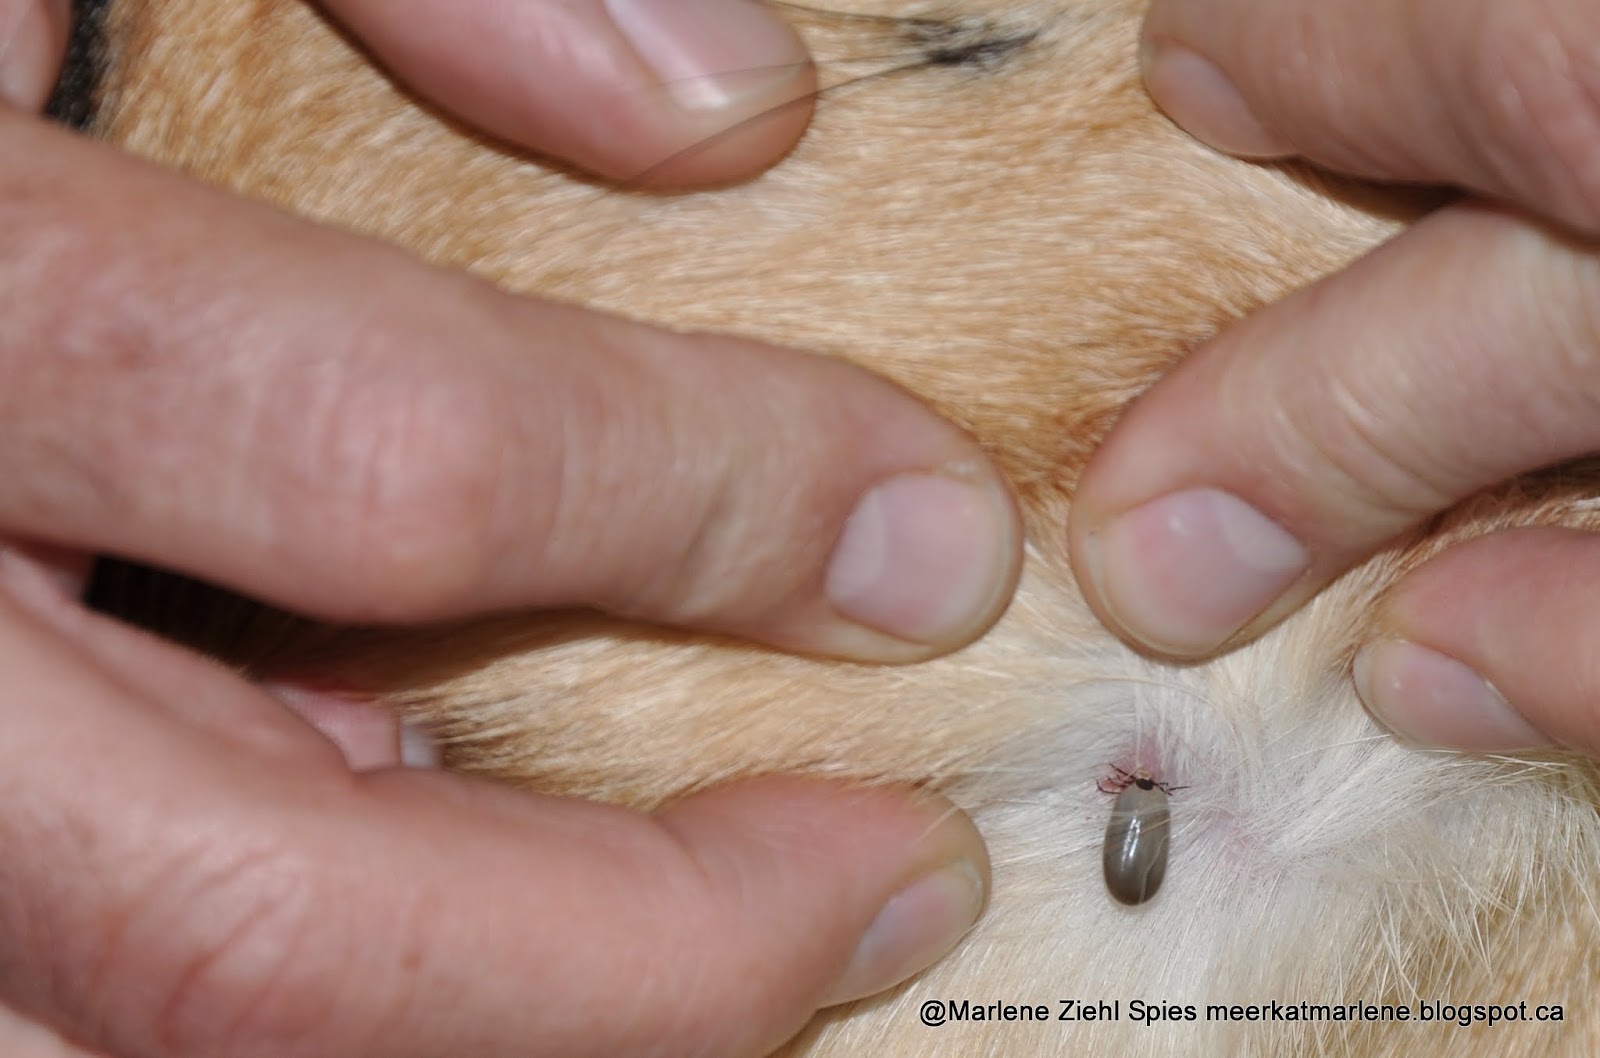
column 936, row 1012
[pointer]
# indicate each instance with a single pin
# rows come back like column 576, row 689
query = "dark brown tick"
column 1138, row 836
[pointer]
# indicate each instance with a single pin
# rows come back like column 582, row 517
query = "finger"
column 186, row 687
column 1496, row 96
column 662, row 91
column 324, row 423
column 186, row 896
column 1489, row 646
column 66, row 570
column 1308, row 435
column 367, row 735
column 33, row 37
column 21, row 1038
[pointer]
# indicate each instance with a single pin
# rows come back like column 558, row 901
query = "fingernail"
column 918, row 925
column 923, row 557
column 25, row 59
column 368, row 734
column 710, row 54
column 1184, row 572
column 1429, row 699
column 1204, row 102
column 418, row 749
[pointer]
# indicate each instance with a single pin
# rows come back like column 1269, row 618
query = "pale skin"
column 132, row 936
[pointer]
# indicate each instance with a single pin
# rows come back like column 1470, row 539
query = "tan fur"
column 1028, row 247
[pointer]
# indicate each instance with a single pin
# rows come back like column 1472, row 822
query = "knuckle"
column 229, row 955
column 405, row 458
column 695, row 499
column 1555, row 389
column 1357, row 458
column 715, row 895
column 1566, row 306
column 706, row 561
column 1535, row 77
column 751, row 524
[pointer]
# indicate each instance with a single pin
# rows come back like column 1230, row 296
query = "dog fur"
column 1020, row 238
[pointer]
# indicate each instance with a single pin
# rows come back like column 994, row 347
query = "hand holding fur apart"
column 320, row 420
column 1460, row 354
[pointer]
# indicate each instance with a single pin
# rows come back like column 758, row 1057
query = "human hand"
column 190, row 871
column 318, row 420
column 1460, row 354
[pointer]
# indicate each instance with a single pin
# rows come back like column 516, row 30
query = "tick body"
column 1137, row 838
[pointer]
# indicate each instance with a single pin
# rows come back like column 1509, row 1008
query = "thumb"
column 211, row 888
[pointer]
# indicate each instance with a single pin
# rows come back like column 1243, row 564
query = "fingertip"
column 737, row 81
column 656, row 93
column 1431, row 700
column 918, row 926
column 928, row 559
column 1182, row 573
column 1202, row 100
column 33, row 38
column 1292, row 445
column 941, row 896
column 1484, row 648
column 921, row 875
column 826, row 511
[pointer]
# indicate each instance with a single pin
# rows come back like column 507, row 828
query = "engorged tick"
column 1137, row 838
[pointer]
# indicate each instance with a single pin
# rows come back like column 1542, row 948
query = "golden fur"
column 1026, row 246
